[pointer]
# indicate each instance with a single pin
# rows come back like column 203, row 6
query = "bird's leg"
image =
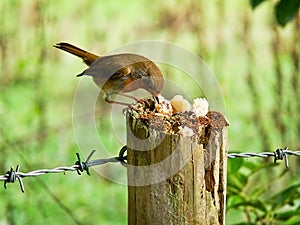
column 120, row 103
column 108, row 99
column 129, row 106
column 129, row 96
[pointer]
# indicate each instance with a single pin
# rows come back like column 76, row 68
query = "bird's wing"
column 125, row 71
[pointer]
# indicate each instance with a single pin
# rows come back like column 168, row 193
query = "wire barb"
column 82, row 166
column 12, row 176
column 280, row 154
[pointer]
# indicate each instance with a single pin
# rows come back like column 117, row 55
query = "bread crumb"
column 200, row 107
column 180, row 104
column 164, row 106
column 186, row 131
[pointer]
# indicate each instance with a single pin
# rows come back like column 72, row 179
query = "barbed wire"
column 14, row 175
column 278, row 154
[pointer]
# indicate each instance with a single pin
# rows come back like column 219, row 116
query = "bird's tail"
column 87, row 57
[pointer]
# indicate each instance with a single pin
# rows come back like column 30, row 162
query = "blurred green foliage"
column 261, row 198
column 255, row 62
column 285, row 10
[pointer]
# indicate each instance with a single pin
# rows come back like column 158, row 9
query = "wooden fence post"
column 174, row 178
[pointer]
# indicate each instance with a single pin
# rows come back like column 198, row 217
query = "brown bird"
column 120, row 73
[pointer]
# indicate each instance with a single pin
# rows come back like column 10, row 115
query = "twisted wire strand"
column 261, row 154
column 60, row 169
column 14, row 175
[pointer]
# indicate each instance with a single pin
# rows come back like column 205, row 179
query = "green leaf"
column 255, row 3
column 286, row 10
column 254, row 167
column 255, row 204
column 234, row 185
column 237, row 181
column 245, row 223
column 287, row 196
column 284, row 216
column 293, row 223
column 234, row 165
column 233, row 200
column 257, row 192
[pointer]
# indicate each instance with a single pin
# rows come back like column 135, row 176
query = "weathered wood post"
column 176, row 168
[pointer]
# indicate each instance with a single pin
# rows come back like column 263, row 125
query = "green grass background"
column 255, row 62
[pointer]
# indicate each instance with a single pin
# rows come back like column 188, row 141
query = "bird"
column 119, row 73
